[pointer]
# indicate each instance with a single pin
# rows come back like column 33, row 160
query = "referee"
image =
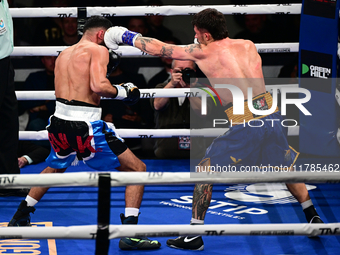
column 9, row 124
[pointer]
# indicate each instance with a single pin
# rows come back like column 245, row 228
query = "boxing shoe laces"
column 187, row 243
column 140, row 243
column 22, row 216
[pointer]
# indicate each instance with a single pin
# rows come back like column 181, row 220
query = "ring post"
column 104, row 205
column 318, row 72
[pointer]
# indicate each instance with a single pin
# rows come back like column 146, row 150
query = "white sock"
column 31, row 201
column 195, row 221
column 306, row 204
column 130, row 211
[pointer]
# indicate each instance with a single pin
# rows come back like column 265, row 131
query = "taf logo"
column 2, row 24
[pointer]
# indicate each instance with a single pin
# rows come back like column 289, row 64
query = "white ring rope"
column 152, row 133
column 129, row 51
column 119, row 231
column 166, row 10
column 164, row 178
column 144, row 93
column 144, row 133
column 130, row 133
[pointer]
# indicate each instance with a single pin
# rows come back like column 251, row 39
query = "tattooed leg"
column 201, row 200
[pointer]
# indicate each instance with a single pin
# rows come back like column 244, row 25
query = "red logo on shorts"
column 57, row 145
column 87, row 144
column 63, row 144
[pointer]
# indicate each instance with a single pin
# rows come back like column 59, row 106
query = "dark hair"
column 213, row 21
column 96, row 22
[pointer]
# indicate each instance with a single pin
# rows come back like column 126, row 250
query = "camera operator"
column 176, row 112
column 176, row 81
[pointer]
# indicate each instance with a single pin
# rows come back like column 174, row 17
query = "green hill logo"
column 317, row 71
column 305, row 69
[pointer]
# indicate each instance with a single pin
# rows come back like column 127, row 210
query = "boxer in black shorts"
column 76, row 131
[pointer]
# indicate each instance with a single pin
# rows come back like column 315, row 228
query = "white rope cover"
column 144, row 93
column 166, row 10
column 152, row 133
column 144, row 133
column 125, row 133
column 129, row 51
column 119, row 231
column 166, row 178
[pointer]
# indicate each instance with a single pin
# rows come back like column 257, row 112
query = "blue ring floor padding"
column 170, row 204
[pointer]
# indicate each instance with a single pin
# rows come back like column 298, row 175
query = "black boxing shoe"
column 311, row 215
column 136, row 243
column 22, row 216
column 186, row 243
column 316, row 219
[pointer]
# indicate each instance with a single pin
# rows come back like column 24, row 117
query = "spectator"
column 258, row 29
column 30, row 153
column 175, row 113
column 48, row 29
column 69, row 33
column 22, row 27
column 290, row 70
column 138, row 24
column 155, row 23
column 40, row 111
column 119, row 20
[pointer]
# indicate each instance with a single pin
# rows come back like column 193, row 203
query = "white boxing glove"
column 116, row 35
column 196, row 41
column 127, row 92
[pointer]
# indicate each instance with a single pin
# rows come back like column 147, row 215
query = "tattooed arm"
column 157, row 48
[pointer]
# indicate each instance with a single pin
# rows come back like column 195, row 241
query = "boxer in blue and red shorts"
column 76, row 131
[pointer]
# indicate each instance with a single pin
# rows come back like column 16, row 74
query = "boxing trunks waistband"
column 76, row 110
column 263, row 101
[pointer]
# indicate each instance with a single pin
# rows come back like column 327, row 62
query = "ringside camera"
column 188, row 73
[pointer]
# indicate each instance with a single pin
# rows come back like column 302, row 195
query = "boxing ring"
column 245, row 216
